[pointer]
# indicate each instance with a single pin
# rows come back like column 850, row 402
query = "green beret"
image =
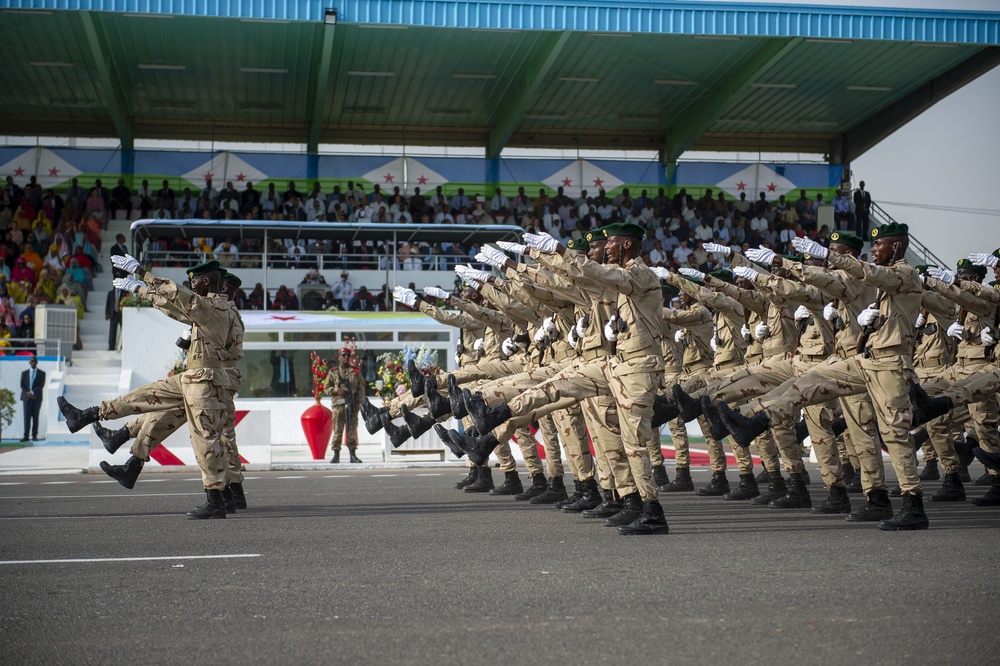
column 670, row 290
column 695, row 280
column 849, row 239
column 624, row 229
column 591, row 236
column 967, row 265
column 923, row 268
column 767, row 269
column 995, row 283
column 204, row 267
column 579, row 244
column 996, row 253
column 233, row 279
column 797, row 258
column 890, row 229
column 725, row 275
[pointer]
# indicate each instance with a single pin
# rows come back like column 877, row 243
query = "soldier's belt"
column 561, row 355
column 887, row 352
column 967, row 362
column 813, row 358
column 728, row 363
column 627, row 356
column 218, row 364
column 595, row 352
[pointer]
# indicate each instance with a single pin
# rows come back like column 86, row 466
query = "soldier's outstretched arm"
column 793, row 292
column 889, row 279
column 966, row 299
column 457, row 319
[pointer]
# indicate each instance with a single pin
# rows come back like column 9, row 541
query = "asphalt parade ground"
column 398, row 567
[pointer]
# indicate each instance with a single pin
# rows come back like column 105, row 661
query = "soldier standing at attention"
column 344, row 384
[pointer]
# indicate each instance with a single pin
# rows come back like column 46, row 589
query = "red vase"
column 317, row 424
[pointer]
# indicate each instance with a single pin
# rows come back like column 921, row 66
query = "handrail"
column 40, row 346
column 920, row 253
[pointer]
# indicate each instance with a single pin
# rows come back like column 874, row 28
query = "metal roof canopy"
column 666, row 76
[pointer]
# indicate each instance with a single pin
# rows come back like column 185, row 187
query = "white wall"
column 11, row 368
column 148, row 347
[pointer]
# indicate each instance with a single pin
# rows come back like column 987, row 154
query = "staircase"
column 95, row 372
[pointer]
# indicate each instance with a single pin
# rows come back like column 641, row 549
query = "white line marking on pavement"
column 338, row 476
column 108, row 481
column 133, row 559
column 374, row 475
column 427, row 474
column 17, row 483
column 58, row 483
column 132, row 515
column 89, row 496
column 290, row 477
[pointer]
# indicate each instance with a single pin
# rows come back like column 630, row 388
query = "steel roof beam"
column 866, row 134
column 507, row 119
column 724, row 94
column 319, row 88
column 113, row 97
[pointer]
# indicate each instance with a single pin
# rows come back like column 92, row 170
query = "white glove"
column 542, row 242
column 762, row 255
column 548, row 325
column 661, row 272
column 458, row 360
column 746, row 272
column 407, row 297
column 461, row 270
column 508, row 347
column 744, row 331
column 980, row 259
column 761, row 331
column 125, row 262
column 609, row 329
column 492, row 256
column 436, row 292
column 540, row 335
column 988, row 340
column 516, row 248
column 581, row 330
column 478, row 345
column 693, row 273
column 571, row 337
column 128, row 284
column 713, row 345
column 679, row 336
column 802, row 312
column 867, row 315
column 829, row 312
column 956, row 330
column 810, row 247
column 484, row 258
column 941, row 274
column 473, row 283
column 920, row 320
column 715, row 248
column 475, row 274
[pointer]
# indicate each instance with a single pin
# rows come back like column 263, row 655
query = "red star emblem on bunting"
column 567, row 182
column 389, row 178
column 422, row 180
column 208, row 176
column 741, row 186
column 18, row 171
column 772, row 187
column 598, row 182
column 280, row 318
column 240, row 177
column 53, row 171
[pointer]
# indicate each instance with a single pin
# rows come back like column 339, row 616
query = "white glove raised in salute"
column 125, row 262
column 572, row 337
column 810, row 247
column 128, row 284
column 516, row 248
column 867, row 316
column 609, row 329
column 956, row 331
column 761, row 332
column 693, row 273
column 746, row 273
column 492, row 256
column 986, row 336
column 407, row 297
column 478, row 345
column 921, row 320
column 802, row 312
column 762, row 255
column 829, row 312
column 744, row 331
column 542, row 242
column 941, row 274
column 436, row 292
column 715, row 248
column 508, row 347
column 581, row 326
column 679, row 336
column 981, row 259
column 661, row 272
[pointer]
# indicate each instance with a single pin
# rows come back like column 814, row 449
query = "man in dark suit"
column 283, row 373
column 862, row 209
column 119, row 248
column 32, row 383
column 113, row 311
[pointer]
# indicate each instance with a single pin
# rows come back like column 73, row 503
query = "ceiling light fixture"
column 578, row 79
column 29, row 12
column 609, row 34
column 542, row 116
column 775, row 86
column 148, row 16
column 473, row 76
column 815, row 40
column 364, row 110
column 718, row 38
column 264, row 70
column 51, row 63
column 374, row 74
column 870, row 88
column 167, row 68
column 372, row 26
column 273, row 21
column 674, row 82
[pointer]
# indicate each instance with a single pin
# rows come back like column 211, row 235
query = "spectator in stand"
column 657, row 257
column 102, row 191
column 258, row 299
column 862, row 209
column 165, row 196
column 271, row 203
column 343, row 290
column 145, row 196
column 227, row 254
column 362, row 301
column 208, row 192
column 682, row 253
column 285, row 299
column 705, row 232
column 75, row 195
column 95, row 206
column 187, row 203
column 417, row 204
column 701, row 259
column 249, row 198
column 313, row 276
column 842, row 217
column 459, row 201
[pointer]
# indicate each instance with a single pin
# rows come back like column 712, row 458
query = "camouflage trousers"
column 887, row 381
column 345, row 426
column 613, row 471
column 943, row 431
column 861, row 440
column 633, row 384
column 573, row 436
column 976, row 388
column 200, row 394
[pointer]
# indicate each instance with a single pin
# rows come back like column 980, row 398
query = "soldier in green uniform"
column 345, row 386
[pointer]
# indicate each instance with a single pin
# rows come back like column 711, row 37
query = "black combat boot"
column 370, row 414
column 663, row 411
column 985, row 480
column 511, row 485
column 848, row 471
column 631, row 509
column 763, row 477
column 455, row 398
column 896, row 491
column 952, row 490
column 354, row 457
column 838, row 426
column 992, row 496
column 417, row 425
column 776, row 489
column 716, row 426
column 650, row 521
column 855, row 486
column 239, row 497
column 335, row 460
column 477, row 448
column 926, row 408
column 744, row 430
column 469, row 479
column 806, row 478
column 555, row 492
column 577, row 492
column 607, row 508
column 965, row 450
column 836, row 502
column 483, row 483
column 437, row 404
column 227, row 500
column 660, row 477
column 113, row 439
column 690, row 408
column 878, row 507
column 76, row 419
column 485, row 417
column 797, row 496
column 443, row 435
column 589, row 498
column 538, row 486
column 920, row 438
column 682, row 482
column 912, row 517
column 397, row 434
column 991, row 461
column 746, row 490
column 930, row 471
column 416, row 379
column 214, row 506
column 963, row 474
column 717, row 487
column 124, row 474
column 801, row 430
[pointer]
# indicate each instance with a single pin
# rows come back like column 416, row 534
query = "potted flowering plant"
column 392, row 378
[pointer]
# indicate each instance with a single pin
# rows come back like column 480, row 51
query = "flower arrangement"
column 136, row 301
column 393, row 379
column 179, row 366
column 320, row 366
